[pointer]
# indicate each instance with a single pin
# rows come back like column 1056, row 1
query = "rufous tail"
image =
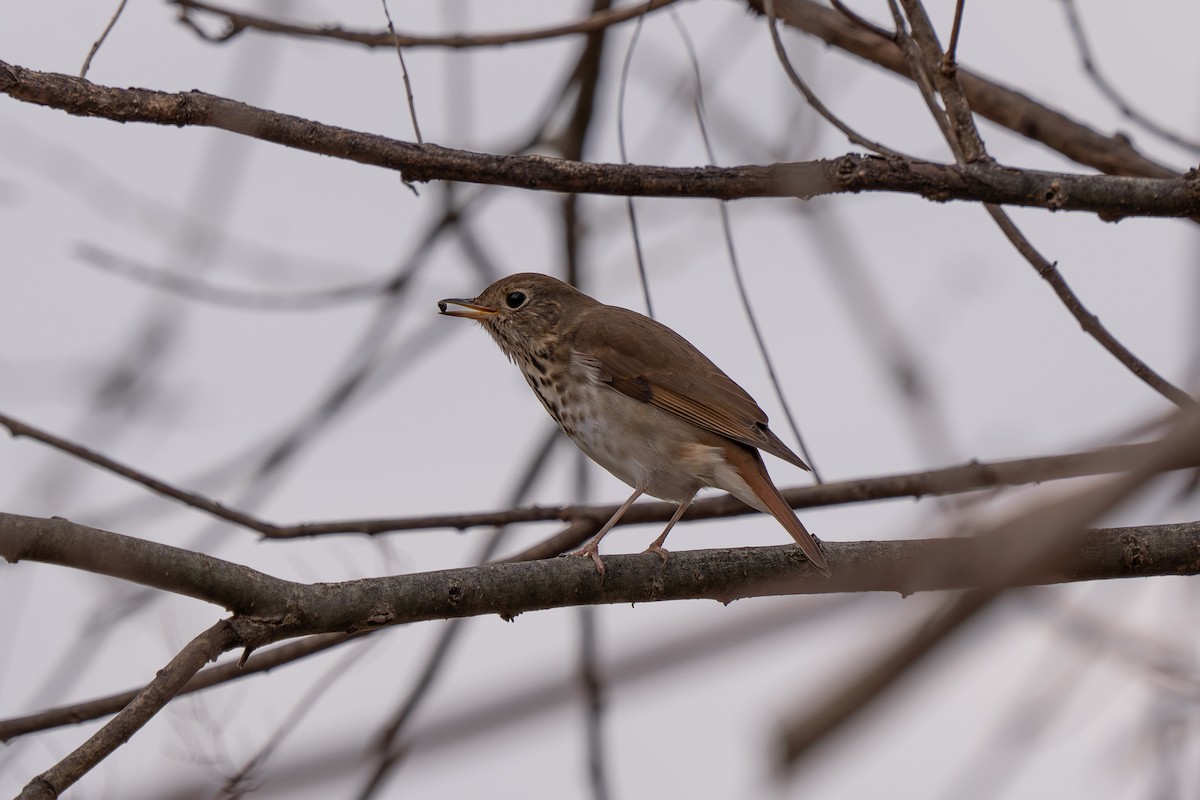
column 750, row 467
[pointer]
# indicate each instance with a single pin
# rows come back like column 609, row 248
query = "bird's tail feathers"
column 753, row 472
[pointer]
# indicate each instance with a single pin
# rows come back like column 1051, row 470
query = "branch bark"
column 1110, row 196
column 284, row 609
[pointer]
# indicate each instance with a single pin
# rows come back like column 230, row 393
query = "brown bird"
column 637, row 398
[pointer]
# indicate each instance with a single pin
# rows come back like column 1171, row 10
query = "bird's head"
column 524, row 313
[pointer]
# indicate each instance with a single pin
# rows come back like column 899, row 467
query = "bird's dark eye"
column 514, row 299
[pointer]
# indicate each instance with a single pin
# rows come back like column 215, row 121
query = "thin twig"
column 242, row 782
column 1087, row 320
column 412, row 107
column 197, row 289
column 239, row 22
column 1018, row 112
column 731, row 252
column 865, row 24
column 950, row 58
column 950, row 480
column 516, row 704
column 1110, row 91
column 148, row 702
column 584, row 78
column 811, row 98
column 964, row 138
column 233, row 670
column 1046, row 534
column 622, row 83
column 87, row 62
column 924, row 59
column 387, row 753
column 18, row 429
column 594, row 688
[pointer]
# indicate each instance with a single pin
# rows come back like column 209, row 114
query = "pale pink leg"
column 592, row 548
column 657, row 545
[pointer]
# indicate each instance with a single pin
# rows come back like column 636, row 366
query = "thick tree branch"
column 282, row 609
column 1111, row 197
column 159, row 566
column 905, row 567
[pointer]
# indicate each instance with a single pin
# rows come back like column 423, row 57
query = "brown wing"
column 623, row 344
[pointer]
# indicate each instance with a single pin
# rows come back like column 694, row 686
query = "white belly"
column 644, row 446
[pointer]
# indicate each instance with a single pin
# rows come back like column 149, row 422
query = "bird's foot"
column 658, row 550
column 592, row 552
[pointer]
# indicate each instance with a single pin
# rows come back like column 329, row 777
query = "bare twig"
column 968, row 147
column 951, row 480
column 866, row 25
column 87, row 62
column 1007, row 107
column 964, row 134
column 197, row 501
column 261, row 661
column 1110, row 91
column 1043, row 535
column 593, row 685
column 148, row 702
column 734, row 263
column 387, row 755
column 1087, row 320
column 341, row 756
column 408, row 92
column 810, row 97
column 242, row 781
column 950, row 58
column 238, row 22
column 622, row 84
column 193, row 288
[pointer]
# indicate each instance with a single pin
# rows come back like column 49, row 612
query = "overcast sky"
column 198, row 388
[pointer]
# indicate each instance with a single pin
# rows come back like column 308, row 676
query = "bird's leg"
column 592, row 548
column 657, row 545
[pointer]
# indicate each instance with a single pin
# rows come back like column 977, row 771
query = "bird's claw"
column 659, row 551
column 594, row 554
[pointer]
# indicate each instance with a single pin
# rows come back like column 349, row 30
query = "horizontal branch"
column 973, row 476
column 1110, row 196
column 238, row 22
column 273, row 609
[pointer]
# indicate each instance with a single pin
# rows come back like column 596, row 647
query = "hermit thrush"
column 637, row 398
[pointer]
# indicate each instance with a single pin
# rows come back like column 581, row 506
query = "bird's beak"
column 470, row 309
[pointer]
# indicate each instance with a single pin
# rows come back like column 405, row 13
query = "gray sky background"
column 445, row 424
